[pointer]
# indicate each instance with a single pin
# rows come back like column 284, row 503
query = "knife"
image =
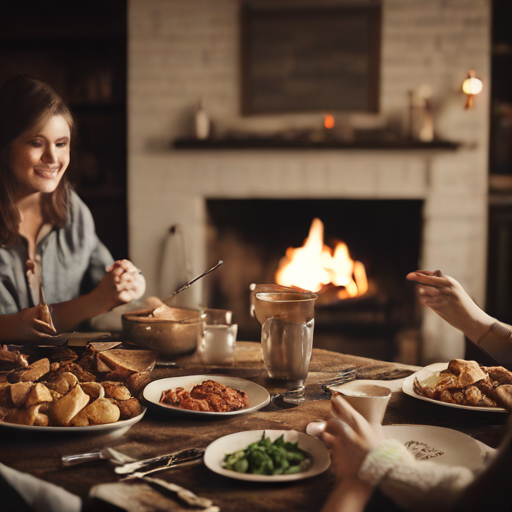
column 162, row 462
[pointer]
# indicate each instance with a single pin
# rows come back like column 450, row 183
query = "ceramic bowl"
column 170, row 337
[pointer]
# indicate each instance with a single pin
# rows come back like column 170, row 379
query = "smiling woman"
column 41, row 156
column 46, row 232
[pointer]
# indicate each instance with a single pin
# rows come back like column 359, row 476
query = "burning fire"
column 315, row 265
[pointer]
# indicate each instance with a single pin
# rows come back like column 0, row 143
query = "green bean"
column 295, row 456
column 292, row 470
column 241, row 465
column 265, row 457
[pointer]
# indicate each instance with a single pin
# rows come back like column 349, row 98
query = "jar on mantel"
column 202, row 121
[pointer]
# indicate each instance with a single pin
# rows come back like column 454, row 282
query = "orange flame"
column 329, row 121
column 314, row 265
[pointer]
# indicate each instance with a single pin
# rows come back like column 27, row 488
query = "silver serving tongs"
column 343, row 376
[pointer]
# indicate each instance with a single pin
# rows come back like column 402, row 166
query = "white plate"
column 124, row 424
column 216, row 451
column 426, row 372
column 459, row 449
column 258, row 396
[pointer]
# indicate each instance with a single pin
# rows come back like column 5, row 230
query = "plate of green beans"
column 267, row 456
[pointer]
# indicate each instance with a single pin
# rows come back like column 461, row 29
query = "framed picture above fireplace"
column 310, row 55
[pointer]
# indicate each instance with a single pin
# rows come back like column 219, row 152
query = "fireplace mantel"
column 276, row 143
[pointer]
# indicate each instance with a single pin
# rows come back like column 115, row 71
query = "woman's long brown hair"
column 25, row 101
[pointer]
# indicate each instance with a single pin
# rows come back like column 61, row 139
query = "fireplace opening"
column 255, row 237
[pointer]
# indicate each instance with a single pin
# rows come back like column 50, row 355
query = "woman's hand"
column 27, row 327
column 349, row 437
column 446, row 297
column 122, row 283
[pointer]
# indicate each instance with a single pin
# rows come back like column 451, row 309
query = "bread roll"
column 33, row 416
column 100, row 412
column 68, row 407
column 93, row 389
column 38, row 394
column 64, row 383
column 116, row 390
column 20, row 392
column 129, row 408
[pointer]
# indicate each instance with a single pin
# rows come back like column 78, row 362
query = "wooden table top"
column 157, row 433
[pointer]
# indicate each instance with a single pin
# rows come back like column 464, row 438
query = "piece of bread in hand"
column 45, row 315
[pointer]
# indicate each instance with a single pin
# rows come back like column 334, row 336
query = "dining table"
column 39, row 452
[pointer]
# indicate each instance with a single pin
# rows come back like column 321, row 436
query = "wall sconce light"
column 329, row 121
column 471, row 86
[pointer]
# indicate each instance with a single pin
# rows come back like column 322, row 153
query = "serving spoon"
column 165, row 300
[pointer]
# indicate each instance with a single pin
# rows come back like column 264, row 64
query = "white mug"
column 369, row 400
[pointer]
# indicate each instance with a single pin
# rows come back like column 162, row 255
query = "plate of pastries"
column 462, row 384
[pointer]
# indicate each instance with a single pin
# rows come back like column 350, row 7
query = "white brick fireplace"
column 182, row 49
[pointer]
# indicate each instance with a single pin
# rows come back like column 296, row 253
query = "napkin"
column 140, row 496
column 39, row 495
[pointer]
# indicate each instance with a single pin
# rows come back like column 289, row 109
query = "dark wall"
column 80, row 48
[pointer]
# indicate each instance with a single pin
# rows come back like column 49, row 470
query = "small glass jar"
column 217, row 346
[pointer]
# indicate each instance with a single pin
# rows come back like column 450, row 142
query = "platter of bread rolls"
column 98, row 390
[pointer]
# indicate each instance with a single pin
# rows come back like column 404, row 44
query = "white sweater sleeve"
column 415, row 485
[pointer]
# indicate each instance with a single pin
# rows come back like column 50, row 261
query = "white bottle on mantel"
column 202, row 121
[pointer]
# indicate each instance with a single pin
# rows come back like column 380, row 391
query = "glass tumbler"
column 287, row 322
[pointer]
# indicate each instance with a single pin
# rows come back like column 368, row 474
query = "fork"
column 344, row 376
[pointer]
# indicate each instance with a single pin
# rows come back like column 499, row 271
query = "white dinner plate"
column 216, row 451
column 459, row 449
column 107, row 427
column 428, row 371
column 257, row 395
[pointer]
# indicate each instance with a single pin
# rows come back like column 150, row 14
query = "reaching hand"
column 122, row 283
column 446, row 297
column 349, row 437
column 503, row 396
column 26, row 326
